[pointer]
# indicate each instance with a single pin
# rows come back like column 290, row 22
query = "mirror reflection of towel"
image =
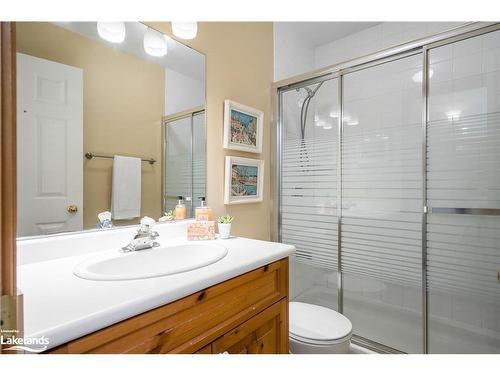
column 126, row 189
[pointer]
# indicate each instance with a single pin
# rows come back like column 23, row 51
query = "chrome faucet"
column 145, row 237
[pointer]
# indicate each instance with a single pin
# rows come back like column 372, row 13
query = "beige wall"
column 123, row 105
column 239, row 67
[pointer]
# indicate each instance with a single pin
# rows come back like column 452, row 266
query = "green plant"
column 225, row 219
column 170, row 213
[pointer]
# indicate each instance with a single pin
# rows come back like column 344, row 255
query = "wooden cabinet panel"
column 205, row 350
column 191, row 324
column 262, row 334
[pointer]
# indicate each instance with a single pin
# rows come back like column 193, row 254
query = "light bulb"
column 155, row 43
column 185, row 30
column 113, row 32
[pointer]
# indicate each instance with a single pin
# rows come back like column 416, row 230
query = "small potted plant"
column 169, row 215
column 224, row 223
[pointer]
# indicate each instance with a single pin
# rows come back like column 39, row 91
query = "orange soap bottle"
column 180, row 209
column 203, row 212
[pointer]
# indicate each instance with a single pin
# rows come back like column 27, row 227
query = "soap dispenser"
column 180, row 209
column 203, row 212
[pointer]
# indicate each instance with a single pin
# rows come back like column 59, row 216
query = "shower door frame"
column 337, row 71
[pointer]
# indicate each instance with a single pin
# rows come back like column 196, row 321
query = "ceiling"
column 318, row 33
column 179, row 57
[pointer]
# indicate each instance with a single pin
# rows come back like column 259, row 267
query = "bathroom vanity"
column 105, row 290
column 246, row 314
column 238, row 304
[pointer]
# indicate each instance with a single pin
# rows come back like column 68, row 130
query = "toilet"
column 318, row 330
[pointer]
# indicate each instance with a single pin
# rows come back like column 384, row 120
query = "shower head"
column 305, row 106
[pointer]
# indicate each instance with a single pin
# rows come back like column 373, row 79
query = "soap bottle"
column 203, row 212
column 180, row 209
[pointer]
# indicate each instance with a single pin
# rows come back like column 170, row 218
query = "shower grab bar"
column 465, row 211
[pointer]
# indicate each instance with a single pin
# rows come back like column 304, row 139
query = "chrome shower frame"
column 337, row 71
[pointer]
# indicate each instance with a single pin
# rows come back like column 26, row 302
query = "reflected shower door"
column 463, row 180
column 178, row 160
column 185, row 160
column 381, row 234
column 308, row 215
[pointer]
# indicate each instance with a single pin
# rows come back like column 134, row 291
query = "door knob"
column 72, row 208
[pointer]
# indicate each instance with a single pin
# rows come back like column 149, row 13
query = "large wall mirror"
column 110, row 117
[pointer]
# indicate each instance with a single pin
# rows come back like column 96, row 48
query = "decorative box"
column 201, row 230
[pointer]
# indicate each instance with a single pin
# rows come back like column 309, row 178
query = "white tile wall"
column 294, row 54
column 378, row 37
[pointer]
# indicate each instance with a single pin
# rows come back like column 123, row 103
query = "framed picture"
column 244, row 180
column 242, row 127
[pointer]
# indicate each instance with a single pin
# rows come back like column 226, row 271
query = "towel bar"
column 90, row 155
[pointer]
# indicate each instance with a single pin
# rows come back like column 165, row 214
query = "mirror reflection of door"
column 49, row 146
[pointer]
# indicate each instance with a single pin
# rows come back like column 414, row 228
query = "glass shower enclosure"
column 389, row 187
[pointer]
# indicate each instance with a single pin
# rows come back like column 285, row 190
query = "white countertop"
column 63, row 307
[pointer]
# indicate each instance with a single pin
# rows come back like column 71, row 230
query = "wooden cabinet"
column 246, row 314
column 260, row 334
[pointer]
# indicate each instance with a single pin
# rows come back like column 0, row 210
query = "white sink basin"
column 156, row 262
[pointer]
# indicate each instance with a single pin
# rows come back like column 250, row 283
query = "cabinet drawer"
column 265, row 333
column 193, row 322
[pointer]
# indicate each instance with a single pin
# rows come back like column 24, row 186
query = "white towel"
column 126, row 190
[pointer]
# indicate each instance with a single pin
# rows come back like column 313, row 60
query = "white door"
column 49, row 146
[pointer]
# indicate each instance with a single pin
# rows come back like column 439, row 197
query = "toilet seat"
column 306, row 340
column 318, row 325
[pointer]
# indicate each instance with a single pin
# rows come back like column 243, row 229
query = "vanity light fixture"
column 113, row 32
column 185, row 30
column 155, row 43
